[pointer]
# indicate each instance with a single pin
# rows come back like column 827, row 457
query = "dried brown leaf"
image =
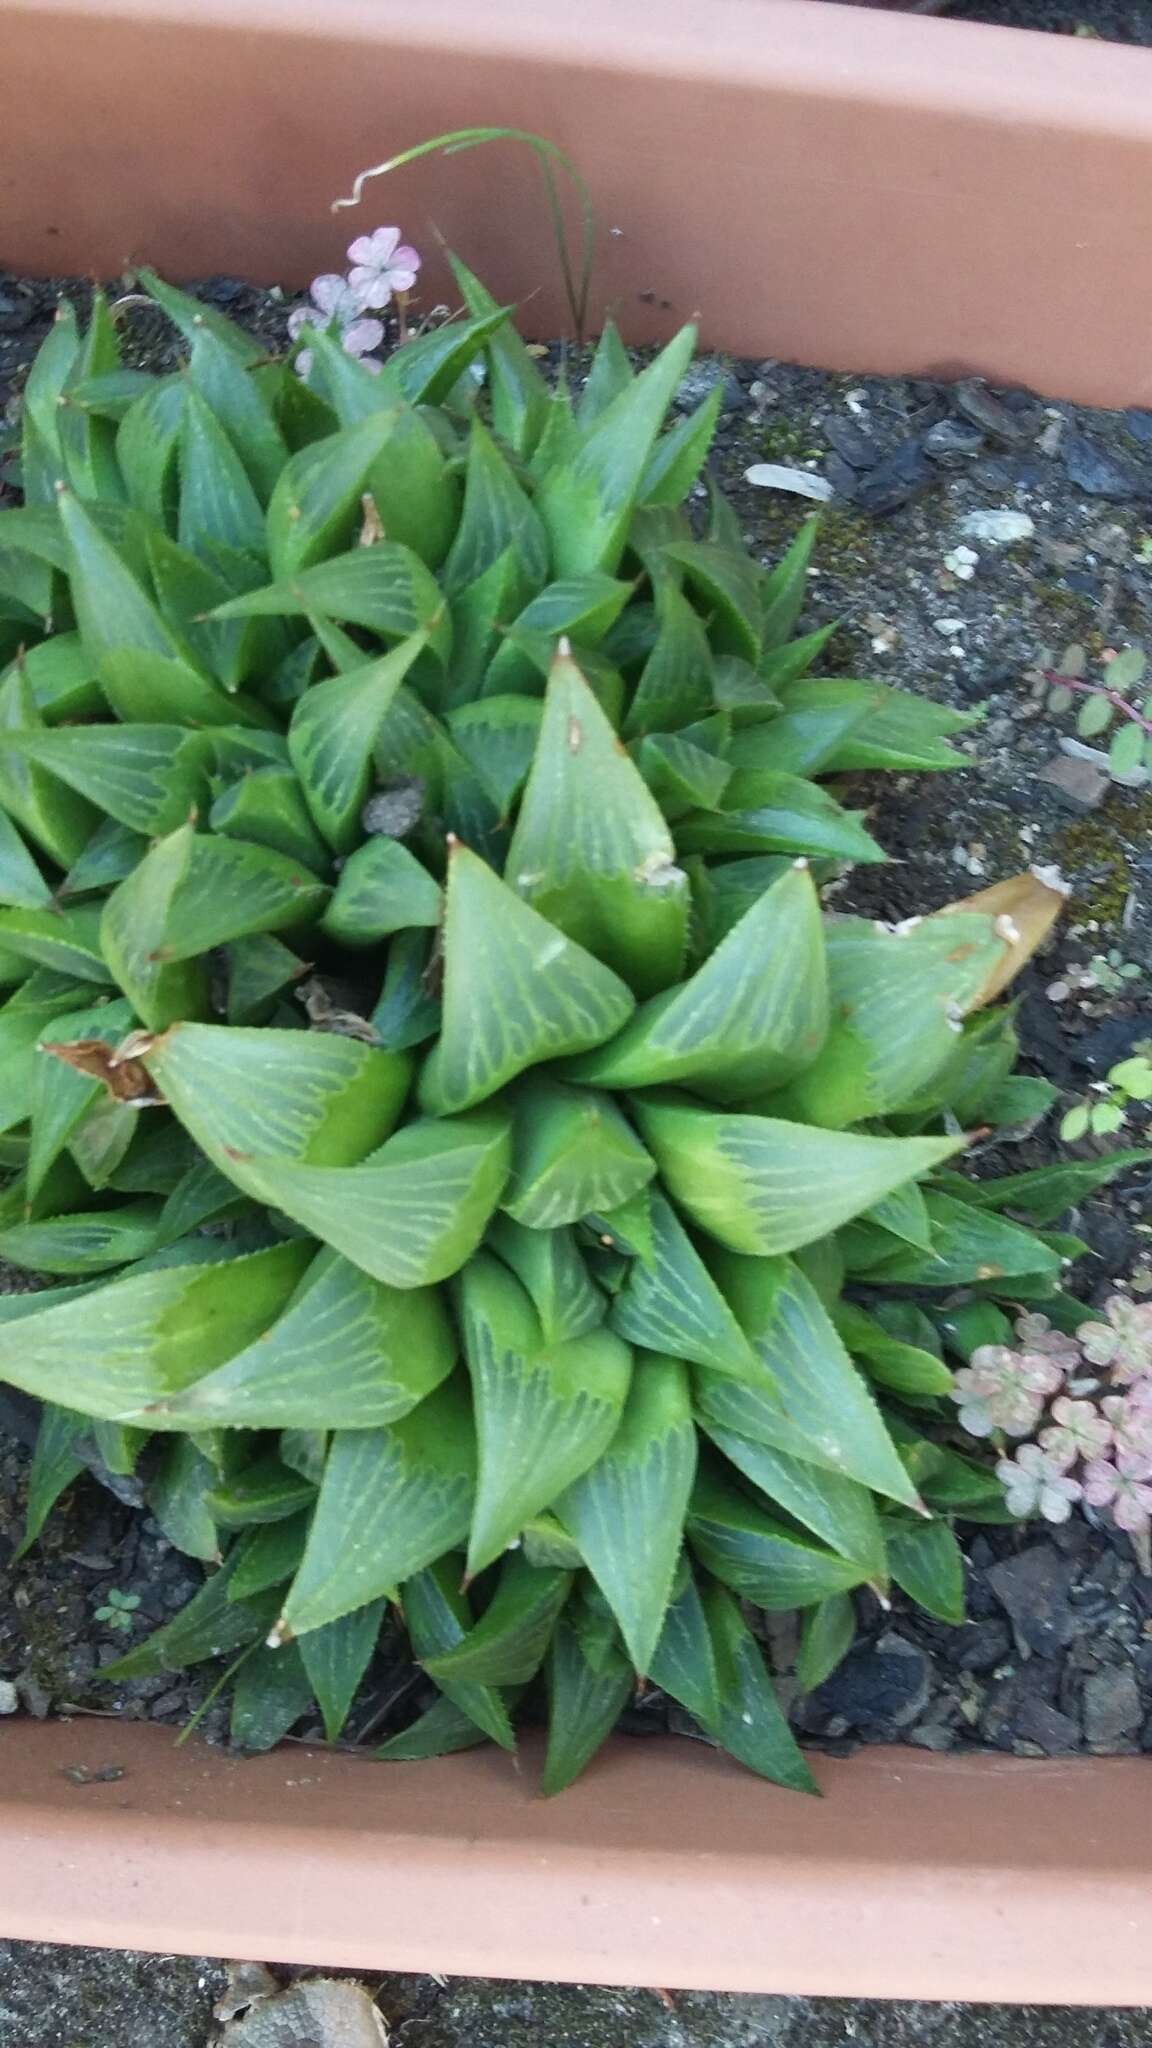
column 123, row 1077
column 321, row 2012
column 1026, row 908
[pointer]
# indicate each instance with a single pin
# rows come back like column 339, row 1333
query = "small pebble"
column 950, row 626
column 998, row 527
column 779, row 476
column 9, row 1697
column 951, row 442
column 963, row 563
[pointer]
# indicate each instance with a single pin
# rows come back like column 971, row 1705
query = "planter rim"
column 918, row 1876
column 1010, row 74
column 866, row 191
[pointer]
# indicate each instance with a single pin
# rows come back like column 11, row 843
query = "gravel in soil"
column 91, row 1998
column 1112, row 21
column 972, row 535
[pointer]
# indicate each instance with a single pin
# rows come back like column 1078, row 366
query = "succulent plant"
column 431, row 1081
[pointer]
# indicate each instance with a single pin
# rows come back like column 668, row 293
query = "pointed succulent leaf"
column 209, row 1626
column 572, row 1153
column 56, row 1462
column 61, row 1096
column 727, row 586
column 581, row 609
column 839, row 1511
column 770, row 813
column 518, row 391
column 751, row 1017
column 265, row 1556
column 827, row 1633
column 548, row 1264
column 384, row 588
column 901, row 732
column 83, row 1242
column 669, row 1302
column 584, row 1703
column 336, row 1658
column 149, row 778
column 381, row 888
column 814, row 718
column 391, row 1502
column 763, row 1559
column 750, row 1722
column 680, row 454
column 333, row 731
column 627, row 1511
column 904, row 1368
column 784, row 591
column 898, row 995
column 586, row 501
column 758, row 1184
column 507, row 1645
column 144, row 1337
column 217, row 500
column 815, row 1406
column 516, row 991
column 497, row 514
column 544, row 1412
column 247, row 1095
column 440, row 1731
column 22, row 886
column 498, row 736
column 425, row 369
column 928, row 1564
column 610, row 373
column 315, row 508
column 591, row 849
column 348, row 1352
column 970, row 1245
column 55, row 818
column 218, row 375
column 67, row 941
column 439, row 1619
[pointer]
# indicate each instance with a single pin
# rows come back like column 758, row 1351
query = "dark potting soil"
column 1112, row 21
column 1057, row 1654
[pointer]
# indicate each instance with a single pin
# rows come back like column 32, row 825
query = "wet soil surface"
column 934, row 594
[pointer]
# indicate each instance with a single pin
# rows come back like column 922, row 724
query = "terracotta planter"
column 855, row 189
column 927, row 1877
column 844, row 187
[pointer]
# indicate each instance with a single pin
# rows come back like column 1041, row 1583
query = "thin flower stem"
column 1058, row 682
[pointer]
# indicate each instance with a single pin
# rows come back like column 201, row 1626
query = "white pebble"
column 963, row 563
column 777, row 476
column 9, row 1698
column 950, row 626
column 1000, row 526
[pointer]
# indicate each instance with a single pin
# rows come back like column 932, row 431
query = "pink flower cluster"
column 380, row 267
column 1093, row 1395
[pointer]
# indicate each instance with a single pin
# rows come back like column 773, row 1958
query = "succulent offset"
column 447, row 1116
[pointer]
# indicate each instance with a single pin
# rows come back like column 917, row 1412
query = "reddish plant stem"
column 1058, row 682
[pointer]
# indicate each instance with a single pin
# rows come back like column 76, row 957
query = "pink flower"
column 1036, row 1334
column 1003, row 1389
column 336, row 301
column 1130, row 1420
column 1079, row 1431
column 1124, row 1342
column 1123, row 1488
column 1035, row 1482
column 381, row 264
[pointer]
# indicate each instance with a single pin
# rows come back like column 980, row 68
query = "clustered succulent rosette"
column 430, row 1080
